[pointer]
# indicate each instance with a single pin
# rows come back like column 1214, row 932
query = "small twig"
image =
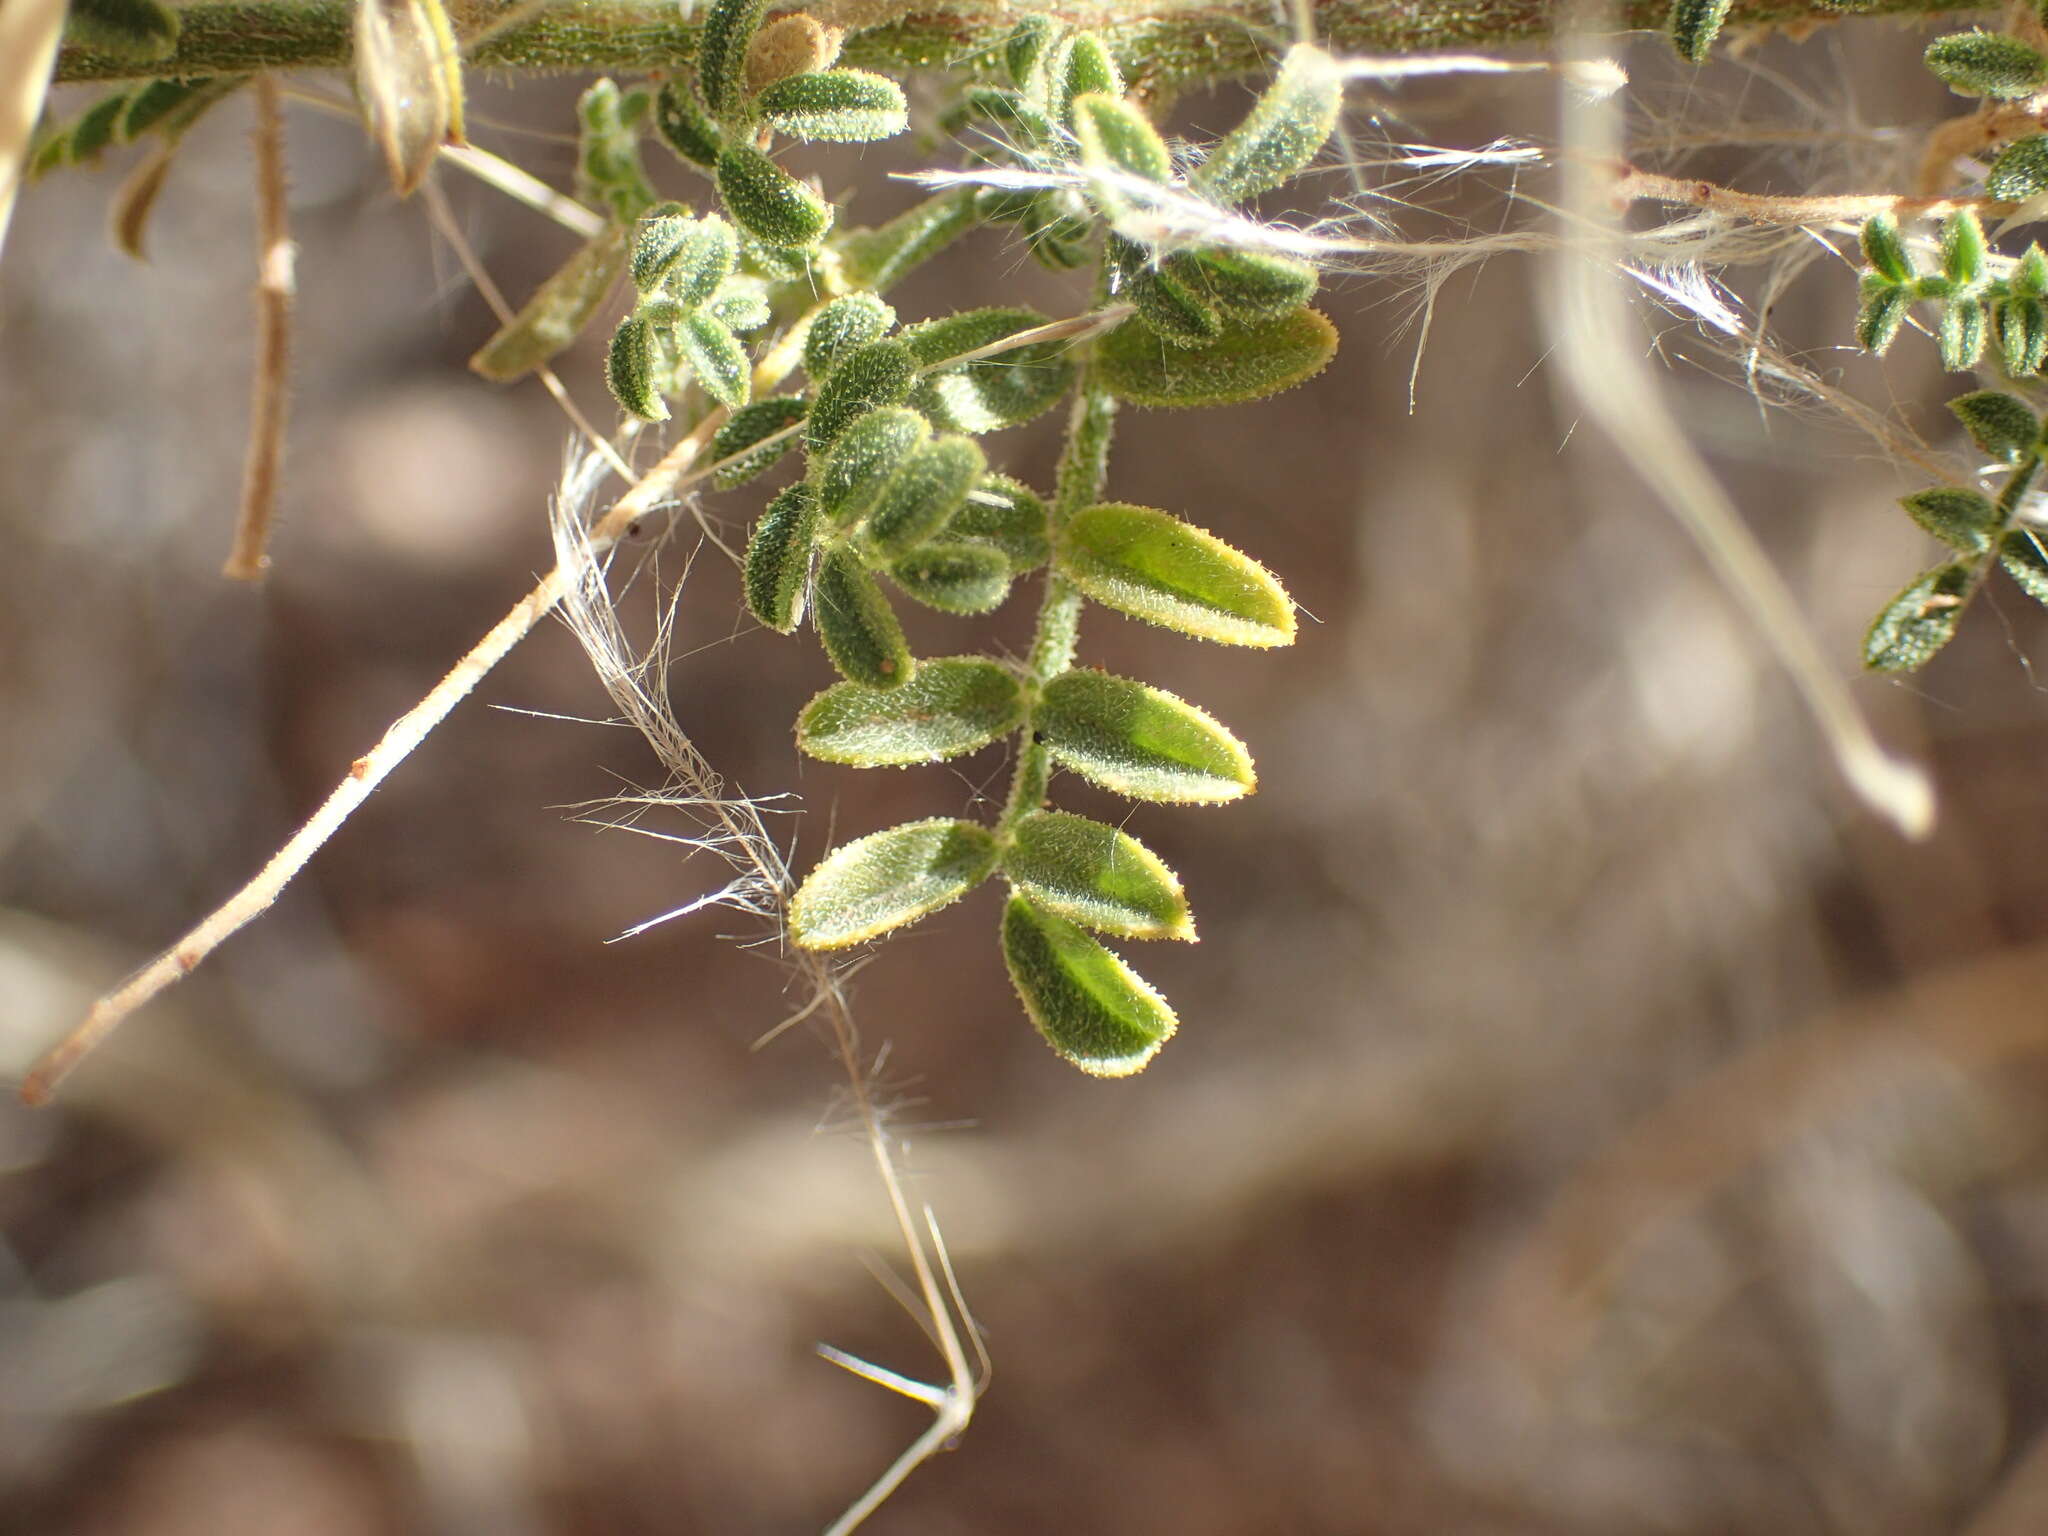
column 1635, row 186
column 247, row 559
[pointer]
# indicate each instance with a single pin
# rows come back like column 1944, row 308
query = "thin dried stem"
column 248, row 558
column 1636, row 185
column 29, row 30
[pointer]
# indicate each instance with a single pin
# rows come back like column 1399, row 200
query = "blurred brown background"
column 1584, row 1118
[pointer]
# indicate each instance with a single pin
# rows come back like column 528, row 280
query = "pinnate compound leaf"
column 864, row 460
column 558, row 311
column 1093, row 874
column 1094, row 1010
column 778, row 562
column 1250, row 360
column 1919, row 621
column 922, row 496
column 1281, row 134
column 1961, row 519
column 633, row 369
column 2003, row 425
column 849, row 321
column 718, row 359
column 954, row 577
column 858, row 627
column 839, row 106
column 950, row 707
column 887, row 879
column 769, row 203
column 1152, row 566
column 1008, row 516
column 1987, row 64
column 2026, row 561
column 2020, row 171
column 1140, row 741
column 862, row 380
column 749, row 425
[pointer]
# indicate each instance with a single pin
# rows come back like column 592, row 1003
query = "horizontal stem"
column 1165, row 49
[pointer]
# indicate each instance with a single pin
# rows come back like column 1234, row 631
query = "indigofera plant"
column 897, row 494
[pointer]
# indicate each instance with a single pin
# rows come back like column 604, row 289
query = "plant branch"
column 1165, row 48
column 248, row 557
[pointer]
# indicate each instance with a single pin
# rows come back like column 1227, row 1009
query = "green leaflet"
column 769, row 203
column 1962, row 334
column 633, row 369
column 1094, row 1010
column 681, row 122
column 1961, row 519
column 2020, row 171
column 1250, row 360
column 1884, row 311
column 741, row 303
column 2024, row 559
column 1119, row 148
column 2022, row 325
column 1281, row 134
column 1167, row 307
column 864, row 460
column 954, row 577
column 718, row 359
column 1140, row 741
column 729, row 28
column 1250, row 284
column 1919, row 621
column 1962, row 250
column 849, row 321
column 2003, row 425
column 685, row 258
column 1885, row 249
column 1024, row 50
column 950, row 707
column 558, row 311
column 857, row 625
column 923, row 494
column 841, row 106
column 749, row 425
column 1152, row 566
column 778, row 562
column 1987, row 64
column 1092, row 874
column 123, row 29
column 864, row 379
column 1006, row 515
column 887, row 879
column 1005, row 390
column 1694, row 25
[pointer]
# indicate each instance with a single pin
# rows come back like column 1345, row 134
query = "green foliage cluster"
column 1988, row 308
column 897, row 498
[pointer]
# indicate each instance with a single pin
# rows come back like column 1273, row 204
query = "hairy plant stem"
column 1164, row 48
column 1083, row 473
